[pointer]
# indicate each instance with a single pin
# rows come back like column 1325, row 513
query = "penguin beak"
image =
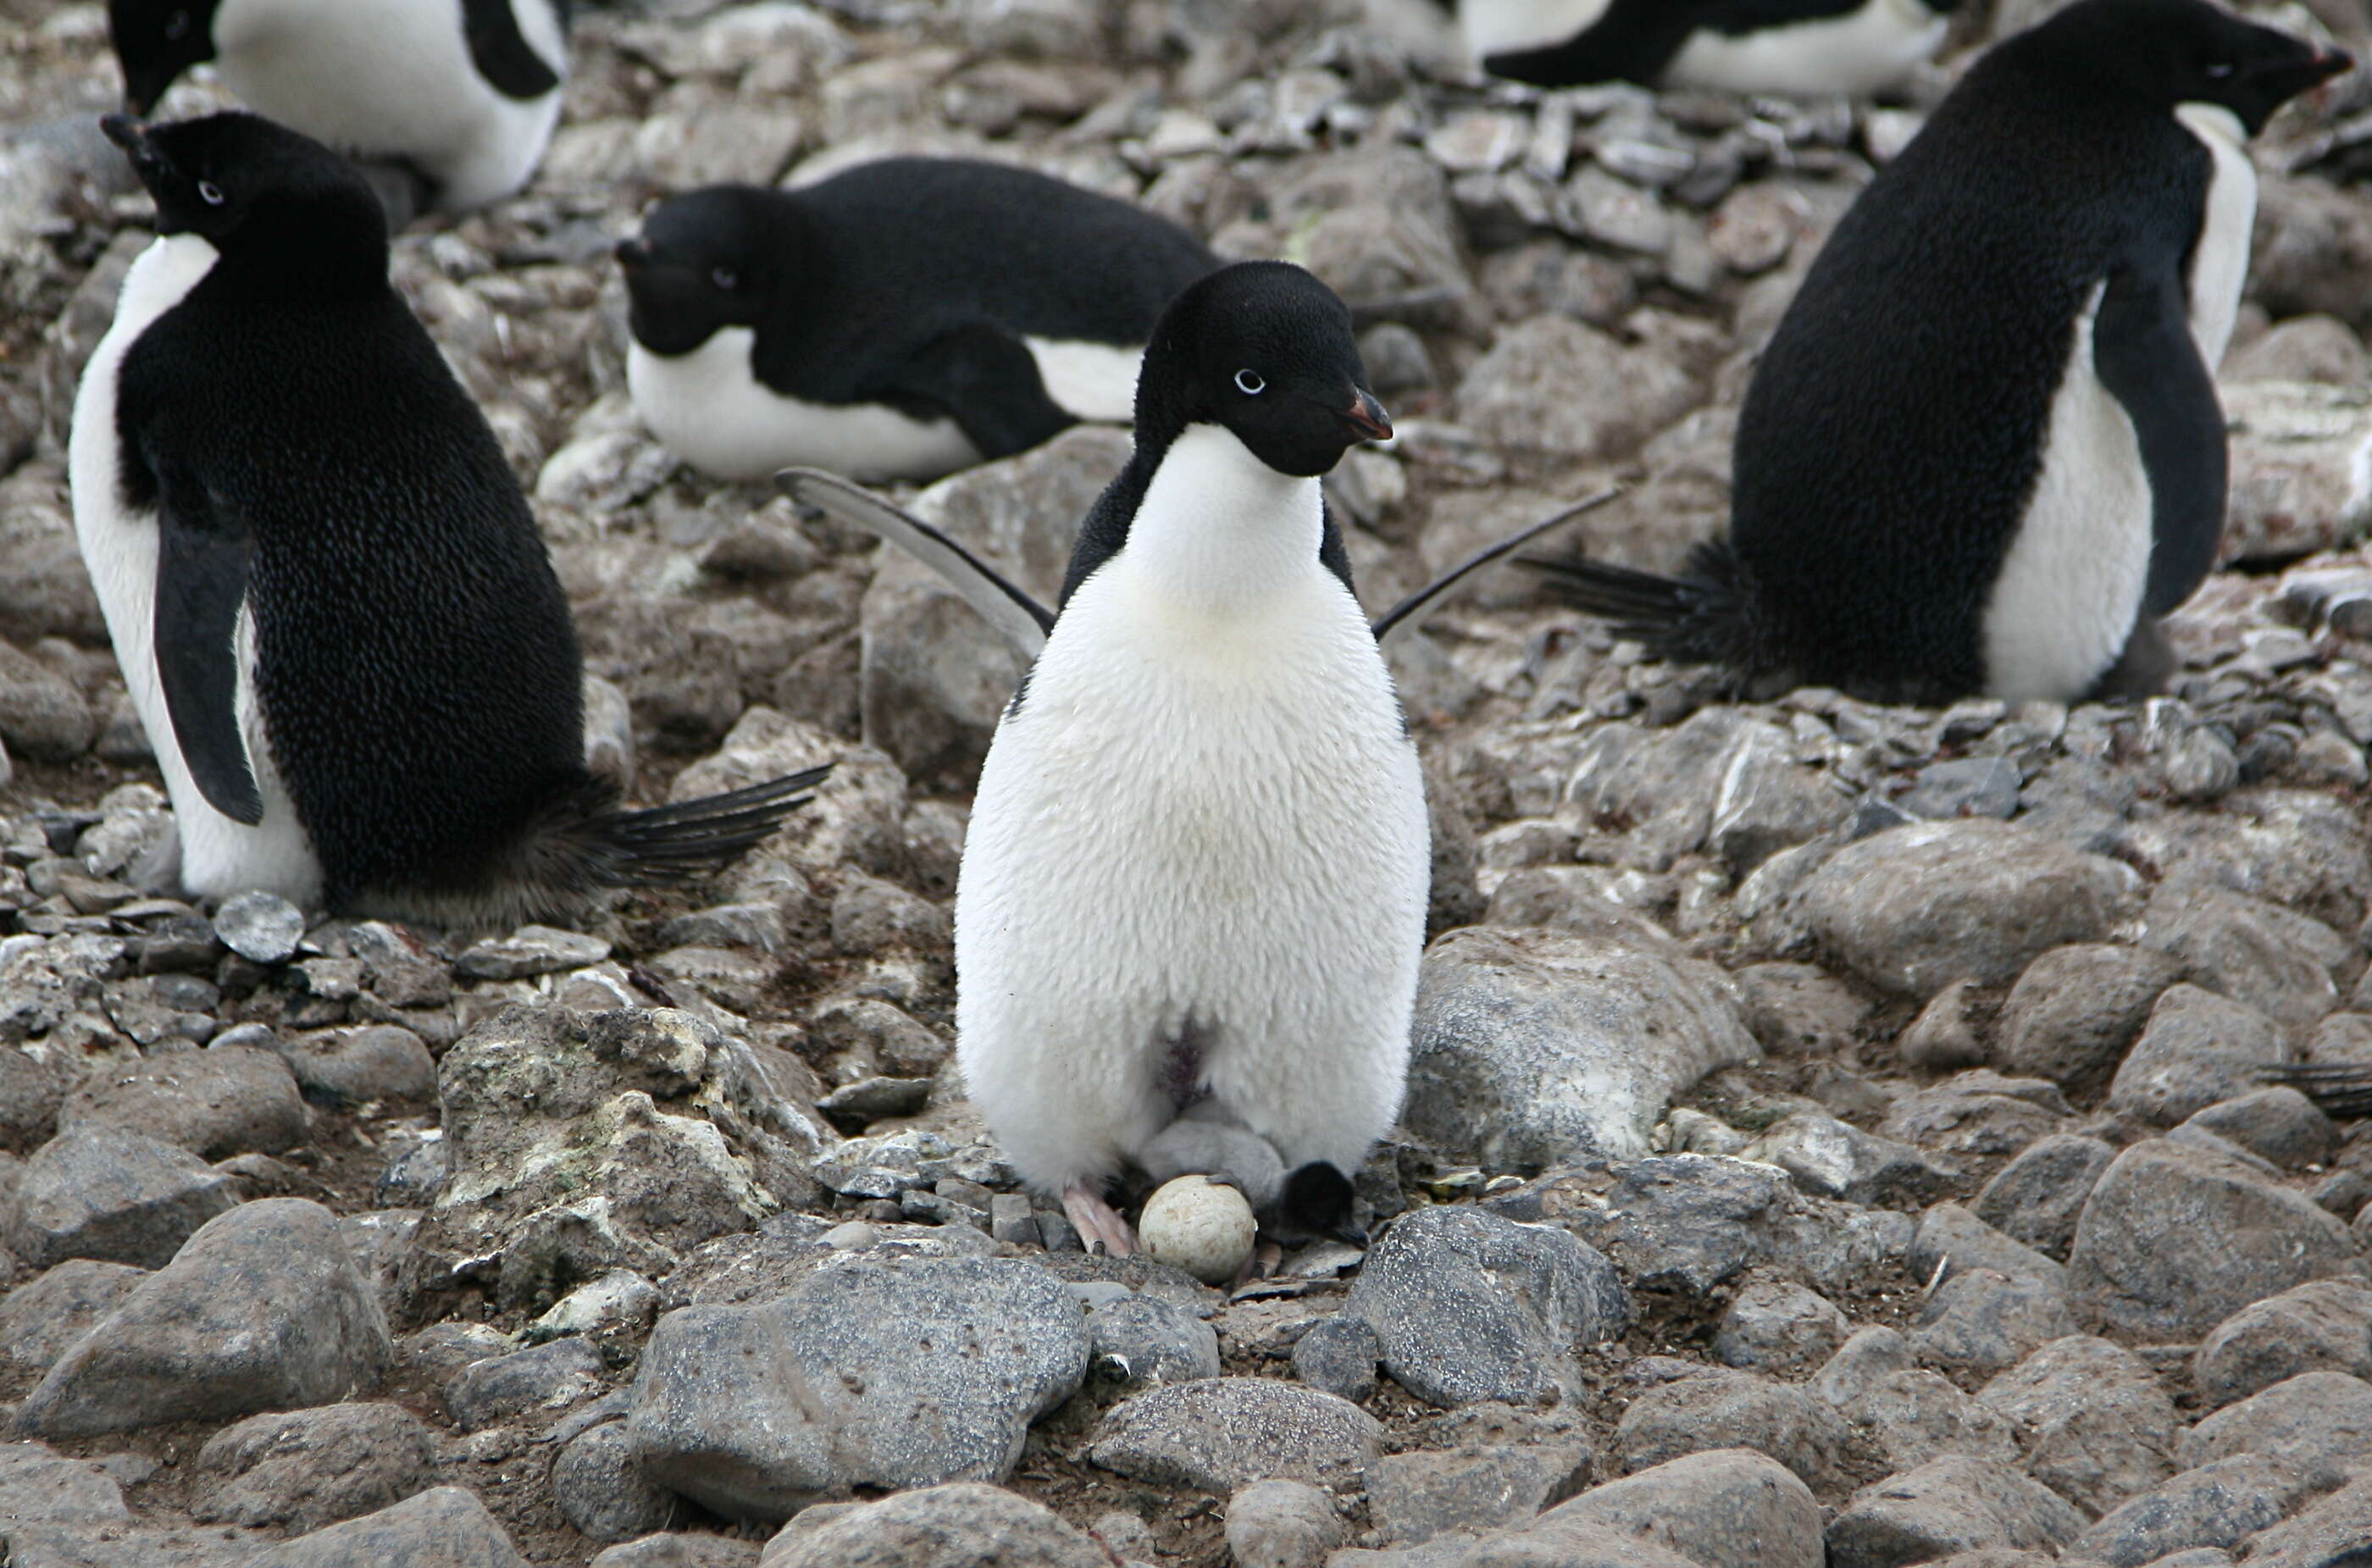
column 1348, row 1235
column 633, row 253
column 1366, row 416
column 131, row 134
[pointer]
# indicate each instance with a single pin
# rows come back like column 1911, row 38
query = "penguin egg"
column 1196, row 1225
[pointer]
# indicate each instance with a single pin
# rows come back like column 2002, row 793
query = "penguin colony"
column 1982, row 454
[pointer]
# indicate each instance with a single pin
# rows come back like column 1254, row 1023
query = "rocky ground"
column 1838, row 1134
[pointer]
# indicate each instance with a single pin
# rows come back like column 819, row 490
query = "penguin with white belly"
column 1192, row 896
column 1983, row 452
column 460, row 94
column 900, row 320
column 333, row 609
column 1797, row 48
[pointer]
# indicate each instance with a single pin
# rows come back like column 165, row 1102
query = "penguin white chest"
column 2219, row 261
column 1865, row 51
column 1505, row 27
column 119, row 549
column 1198, row 859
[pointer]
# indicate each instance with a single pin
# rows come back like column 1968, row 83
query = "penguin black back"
column 1642, row 40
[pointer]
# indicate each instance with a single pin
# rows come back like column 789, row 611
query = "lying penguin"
column 331, row 606
column 1797, row 48
column 900, row 320
column 462, row 95
column 1192, row 895
column 1983, row 451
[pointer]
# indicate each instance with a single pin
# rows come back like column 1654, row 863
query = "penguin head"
column 1264, row 350
column 156, row 40
column 1317, row 1201
column 705, row 260
column 260, row 191
column 2168, row 53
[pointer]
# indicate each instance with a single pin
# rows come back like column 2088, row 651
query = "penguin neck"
column 1218, row 528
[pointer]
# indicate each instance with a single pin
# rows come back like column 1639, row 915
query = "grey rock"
column 1944, row 1037
column 2176, row 1239
column 2323, row 1326
column 1338, row 1356
column 1551, row 385
column 446, row 1527
column 941, row 1526
column 262, row 1308
column 619, row 1298
column 1913, row 909
column 1727, row 1508
column 599, row 1487
column 2304, row 348
column 1798, row 1009
column 1836, row 1159
column 1977, row 1113
column 2101, row 1430
column 2220, row 1504
column 678, row 1552
column 757, row 1410
column 308, row 1469
column 2037, row 1198
column 1953, row 1240
column 31, row 1090
column 1952, row 1504
column 1915, row 1416
column 1467, row 1306
column 2319, row 1536
column 113, row 1196
column 529, row 951
column 544, row 1378
column 1863, row 1362
column 1414, row 1497
column 1146, row 1341
column 1966, row 786
column 871, row 916
column 42, row 713
column 2277, row 1123
column 348, row 1067
column 39, row 1484
column 1218, row 1433
column 229, row 1100
column 1281, row 1523
column 2295, row 491
column 1981, row 1321
column 1535, row 1048
column 2197, row 1049
column 2313, row 1419
column 1778, row 1327
column 40, row 1319
column 261, row 927
column 2274, row 960
column 1722, row 1408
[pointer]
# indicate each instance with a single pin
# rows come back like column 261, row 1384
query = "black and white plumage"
column 1983, row 452
column 1194, row 886
column 461, row 94
column 332, row 608
column 900, row 320
column 1801, row 48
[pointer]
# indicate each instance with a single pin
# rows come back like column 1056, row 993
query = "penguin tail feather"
column 1703, row 616
column 596, row 845
column 2340, row 1089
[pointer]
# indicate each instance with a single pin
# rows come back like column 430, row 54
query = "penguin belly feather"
column 1198, row 858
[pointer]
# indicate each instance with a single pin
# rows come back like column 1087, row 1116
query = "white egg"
column 1195, row 1224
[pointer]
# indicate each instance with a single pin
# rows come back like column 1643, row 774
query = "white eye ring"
column 2218, row 71
column 725, row 277
column 1250, row 384
column 210, row 193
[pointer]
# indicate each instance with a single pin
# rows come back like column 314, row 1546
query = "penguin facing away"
column 1191, row 902
column 463, row 94
column 1983, row 451
column 1799, row 48
column 900, row 320
column 333, row 610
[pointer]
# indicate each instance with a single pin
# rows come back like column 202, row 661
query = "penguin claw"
column 1098, row 1223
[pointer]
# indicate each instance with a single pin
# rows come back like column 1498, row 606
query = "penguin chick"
column 900, row 320
column 333, row 609
column 1798, row 48
column 1313, row 1200
column 1983, row 451
column 463, row 94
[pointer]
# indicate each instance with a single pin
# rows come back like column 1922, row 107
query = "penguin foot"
column 1267, row 1258
column 1098, row 1222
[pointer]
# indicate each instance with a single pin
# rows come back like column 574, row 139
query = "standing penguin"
column 1802, row 48
column 902, row 320
column 1983, row 451
column 462, row 94
column 330, row 605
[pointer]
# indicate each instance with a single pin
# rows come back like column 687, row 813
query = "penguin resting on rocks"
column 900, row 320
column 1983, row 452
column 333, row 609
column 1191, row 902
column 461, row 95
column 1797, row 48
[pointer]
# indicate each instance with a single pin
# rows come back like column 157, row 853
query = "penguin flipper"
column 502, row 54
column 202, row 560
column 1628, row 43
column 1405, row 611
column 2144, row 354
column 986, row 380
column 1020, row 619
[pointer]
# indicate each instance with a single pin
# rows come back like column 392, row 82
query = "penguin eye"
column 1250, row 384
column 725, row 277
column 177, row 26
column 210, row 193
column 2218, row 71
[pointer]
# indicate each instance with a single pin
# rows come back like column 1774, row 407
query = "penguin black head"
column 706, row 260
column 2166, row 52
column 255, row 189
column 1317, row 1201
column 156, row 40
column 1265, row 350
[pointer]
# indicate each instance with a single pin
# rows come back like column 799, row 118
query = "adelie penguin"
column 1192, row 896
column 900, row 320
column 461, row 95
column 1799, row 48
column 1983, row 453
column 333, row 610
